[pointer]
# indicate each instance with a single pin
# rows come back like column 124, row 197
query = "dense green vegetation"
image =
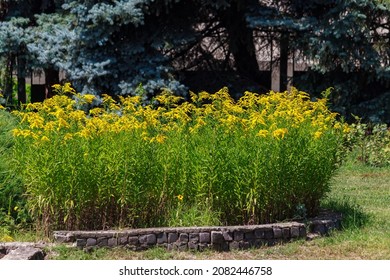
column 13, row 214
column 256, row 160
column 358, row 191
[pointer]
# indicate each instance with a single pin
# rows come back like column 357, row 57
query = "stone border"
column 199, row 238
column 22, row 251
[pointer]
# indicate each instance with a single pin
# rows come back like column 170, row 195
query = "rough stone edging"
column 22, row 251
column 200, row 238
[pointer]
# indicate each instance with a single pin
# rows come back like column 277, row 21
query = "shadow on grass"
column 353, row 216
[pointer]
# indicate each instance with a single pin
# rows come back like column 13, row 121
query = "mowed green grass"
column 361, row 193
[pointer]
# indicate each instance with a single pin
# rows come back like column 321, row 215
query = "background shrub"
column 369, row 143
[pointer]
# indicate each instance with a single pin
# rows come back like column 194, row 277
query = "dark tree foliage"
column 114, row 46
column 349, row 42
column 18, row 30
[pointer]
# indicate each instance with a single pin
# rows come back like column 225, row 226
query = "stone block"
column 286, row 233
column 244, row 245
column 204, row 237
column 91, row 242
column 179, row 246
column 258, row 243
column 148, row 239
column 162, row 238
column 302, row 232
column 318, row 228
column 193, row 237
column 25, row 253
column 216, row 247
column 329, row 226
column 112, row 242
column 259, row 233
column 63, row 238
column 81, row 242
column 183, row 237
column 102, row 241
column 133, row 240
column 278, row 234
column 268, row 233
column 238, row 235
column 217, row 237
column 234, row 245
column 227, row 236
column 294, row 232
column 249, row 235
column 172, row 237
column 123, row 240
column 203, row 246
column 193, row 246
column 271, row 242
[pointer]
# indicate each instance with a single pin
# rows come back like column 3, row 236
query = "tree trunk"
column 240, row 39
column 8, row 81
column 21, row 79
column 283, row 74
column 52, row 78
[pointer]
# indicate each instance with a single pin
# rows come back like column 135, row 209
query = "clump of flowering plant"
column 124, row 163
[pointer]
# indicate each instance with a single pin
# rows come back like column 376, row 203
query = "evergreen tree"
column 17, row 32
column 114, row 46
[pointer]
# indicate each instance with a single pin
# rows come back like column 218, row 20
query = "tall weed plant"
column 12, row 202
column 369, row 143
column 125, row 164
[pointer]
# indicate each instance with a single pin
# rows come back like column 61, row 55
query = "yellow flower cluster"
column 274, row 115
column 1, row 106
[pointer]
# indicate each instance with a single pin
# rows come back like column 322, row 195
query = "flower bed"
column 205, row 161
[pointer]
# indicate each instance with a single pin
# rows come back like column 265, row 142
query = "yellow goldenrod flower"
column 62, row 123
column 66, row 88
column 194, row 97
column 36, row 121
column 337, row 125
column 68, row 136
column 317, row 134
column 16, row 132
column 96, row 111
column 279, row 133
column 262, row 133
column 160, row 138
column 346, row 128
column 84, row 133
column 203, row 95
column 89, row 98
column 107, row 100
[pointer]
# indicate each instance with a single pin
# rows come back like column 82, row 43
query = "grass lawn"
column 362, row 193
